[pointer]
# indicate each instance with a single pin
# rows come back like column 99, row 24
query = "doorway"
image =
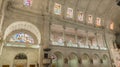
column 73, row 60
column 32, row 65
column 57, row 60
column 20, row 60
column 5, row 66
column 19, row 65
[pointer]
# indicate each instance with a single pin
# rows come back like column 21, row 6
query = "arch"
column 20, row 60
column 23, row 25
column 73, row 60
column 96, row 60
column 58, row 54
column 85, row 60
column 73, row 56
column 57, row 61
column 105, row 61
column 20, row 56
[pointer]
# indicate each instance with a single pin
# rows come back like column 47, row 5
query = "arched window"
column 80, row 16
column 69, row 13
column 22, row 38
column 112, row 26
column 28, row 2
column 90, row 19
column 98, row 21
column 57, row 8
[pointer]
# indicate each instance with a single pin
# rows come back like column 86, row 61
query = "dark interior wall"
column 118, row 40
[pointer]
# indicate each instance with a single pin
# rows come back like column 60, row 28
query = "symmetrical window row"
column 69, row 14
column 80, row 15
column 73, row 60
column 76, row 38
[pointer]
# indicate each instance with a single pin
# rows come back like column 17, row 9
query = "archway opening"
column 85, row 60
column 73, row 60
column 21, row 37
column 96, row 60
column 57, row 60
column 20, row 60
column 105, row 61
column 21, row 56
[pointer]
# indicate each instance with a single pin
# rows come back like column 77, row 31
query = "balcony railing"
column 78, row 45
column 57, row 43
column 72, row 45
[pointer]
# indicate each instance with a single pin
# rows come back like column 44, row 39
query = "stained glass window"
column 57, row 8
column 112, row 26
column 90, row 19
column 22, row 38
column 70, row 13
column 80, row 16
column 98, row 21
column 28, row 2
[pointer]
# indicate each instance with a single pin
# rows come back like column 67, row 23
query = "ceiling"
column 106, row 9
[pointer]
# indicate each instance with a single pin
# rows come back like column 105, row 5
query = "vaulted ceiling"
column 107, row 9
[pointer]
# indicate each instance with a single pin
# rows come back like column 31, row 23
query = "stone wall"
column 9, row 53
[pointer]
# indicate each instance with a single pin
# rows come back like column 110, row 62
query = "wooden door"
column 5, row 66
column 20, row 65
column 32, row 65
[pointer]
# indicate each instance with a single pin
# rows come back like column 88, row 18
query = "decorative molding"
column 23, row 25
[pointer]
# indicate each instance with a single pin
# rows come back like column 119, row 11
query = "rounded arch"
column 96, row 60
column 20, row 60
column 73, row 60
column 85, row 60
column 58, row 54
column 105, row 61
column 20, row 56
column 73, row 56
column 22, row 36
column 23, row 25
column 105, row 57
column 57, row 59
